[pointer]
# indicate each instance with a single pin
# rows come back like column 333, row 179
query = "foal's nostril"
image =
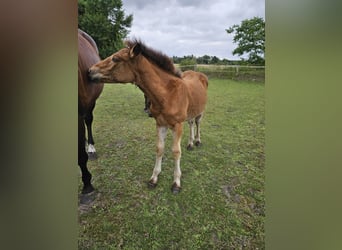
column 90, row 77
column 90, row 73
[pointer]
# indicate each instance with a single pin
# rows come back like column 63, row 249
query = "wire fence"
column 235, row 72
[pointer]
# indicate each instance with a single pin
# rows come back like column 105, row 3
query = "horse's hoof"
column 198, row 144
column 88, row 189
column 189, row 147
column 92, row 156
column 175, row 189
column 87, row 198
column 151, row 184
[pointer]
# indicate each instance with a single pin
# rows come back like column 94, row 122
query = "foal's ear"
column 135, row 50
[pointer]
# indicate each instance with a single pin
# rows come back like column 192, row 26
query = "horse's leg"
column 192, row 135
column 83, row 158
column 147, row 106
column 89, row 120
column 176, row 150
column 198, row 130
column 162, row 132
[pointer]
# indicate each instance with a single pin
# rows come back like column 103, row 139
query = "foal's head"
column 119, row 67
column 115, row 68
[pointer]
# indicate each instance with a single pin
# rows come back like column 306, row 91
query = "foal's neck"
column 152, row 80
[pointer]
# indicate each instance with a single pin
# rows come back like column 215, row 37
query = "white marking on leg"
column 162, row 132
column 198, row 128
column 176, row 150
column 192, row 133
column 91, row 149
column 177, row 173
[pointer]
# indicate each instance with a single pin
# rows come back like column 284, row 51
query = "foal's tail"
column 204, row 79
column 194, row 74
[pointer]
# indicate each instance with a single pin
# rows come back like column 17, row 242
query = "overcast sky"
column 190, row 27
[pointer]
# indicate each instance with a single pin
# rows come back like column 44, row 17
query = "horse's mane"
column 156, row 57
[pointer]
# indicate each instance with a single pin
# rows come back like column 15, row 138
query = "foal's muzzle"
column 93, row 76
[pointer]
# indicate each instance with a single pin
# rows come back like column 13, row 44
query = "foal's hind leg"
column 198, row 130
column 192, row 135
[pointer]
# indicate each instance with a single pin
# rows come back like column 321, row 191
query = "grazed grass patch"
column 222, row 202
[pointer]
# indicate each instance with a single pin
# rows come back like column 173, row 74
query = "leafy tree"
column 106, row 22
column 188, row 64
column 176, row 59
column 204, row 59
column 250, row 37
column 215, row 60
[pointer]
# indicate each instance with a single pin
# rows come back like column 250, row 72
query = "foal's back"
column 197, row 85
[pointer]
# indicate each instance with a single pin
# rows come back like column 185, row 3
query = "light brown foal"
column 175, row 97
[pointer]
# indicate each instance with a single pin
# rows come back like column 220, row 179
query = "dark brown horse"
column 174, row 97
column 88, row 92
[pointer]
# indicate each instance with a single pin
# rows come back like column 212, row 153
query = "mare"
column 88, row 92
column 175, row 97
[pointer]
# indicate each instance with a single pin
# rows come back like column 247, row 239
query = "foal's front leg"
column 176, row 150
column 161, row 132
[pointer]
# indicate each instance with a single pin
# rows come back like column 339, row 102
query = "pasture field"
column 222, row 202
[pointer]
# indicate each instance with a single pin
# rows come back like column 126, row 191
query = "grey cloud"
column 192, row 2
column 183, row 27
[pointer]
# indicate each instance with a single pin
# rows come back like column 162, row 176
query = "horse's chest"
column 168, row 115
column 169, row 119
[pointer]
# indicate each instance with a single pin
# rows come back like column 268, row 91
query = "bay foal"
column 174, row 97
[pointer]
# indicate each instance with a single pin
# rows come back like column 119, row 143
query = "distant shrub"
column 188, row 64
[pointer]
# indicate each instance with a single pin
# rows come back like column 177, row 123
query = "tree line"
column 206, row 59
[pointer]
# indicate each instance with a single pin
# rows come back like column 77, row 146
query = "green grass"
column 222, row 202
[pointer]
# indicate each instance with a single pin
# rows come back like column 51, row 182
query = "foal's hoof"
column 92, row 155
column 151, row 184
column 175, row 189
column 189, row 147
column 198, row 144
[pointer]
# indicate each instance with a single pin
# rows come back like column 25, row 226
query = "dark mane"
column 157, row 57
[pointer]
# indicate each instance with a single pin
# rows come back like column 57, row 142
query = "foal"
column 174, row 97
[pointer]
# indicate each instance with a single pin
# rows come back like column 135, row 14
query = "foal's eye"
column 116, row 59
